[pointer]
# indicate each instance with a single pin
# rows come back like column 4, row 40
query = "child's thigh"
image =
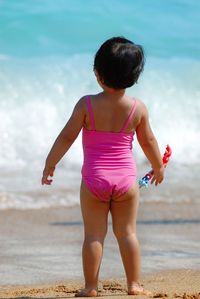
column 94, row 212
column 124, row 211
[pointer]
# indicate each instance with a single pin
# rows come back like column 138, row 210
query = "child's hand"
column 158, row 175
column 48, row 171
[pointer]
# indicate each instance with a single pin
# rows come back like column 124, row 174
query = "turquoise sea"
column 46, row 64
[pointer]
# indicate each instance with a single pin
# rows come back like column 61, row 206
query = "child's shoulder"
column 141, row 112
column 81, row 104
column 141, row 107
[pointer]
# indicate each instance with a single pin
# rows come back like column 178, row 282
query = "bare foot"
column 87, row 293
column 137, row 289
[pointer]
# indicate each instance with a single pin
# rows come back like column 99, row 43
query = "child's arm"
column 149, row 145
column 64, row 140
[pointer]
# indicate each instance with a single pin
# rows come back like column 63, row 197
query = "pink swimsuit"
column 109, row 169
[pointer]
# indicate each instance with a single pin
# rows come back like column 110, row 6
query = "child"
column 109, row 121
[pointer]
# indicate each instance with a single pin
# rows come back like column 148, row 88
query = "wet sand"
column 40, row 252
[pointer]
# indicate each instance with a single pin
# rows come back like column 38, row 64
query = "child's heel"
column 87, row 293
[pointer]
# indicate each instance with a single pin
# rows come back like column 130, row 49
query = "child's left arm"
column 64, row 140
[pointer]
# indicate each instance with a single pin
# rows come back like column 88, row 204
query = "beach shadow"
column 139, row 222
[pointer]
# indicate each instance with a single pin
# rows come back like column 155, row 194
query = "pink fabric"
column 89, row 107
column 109, row 168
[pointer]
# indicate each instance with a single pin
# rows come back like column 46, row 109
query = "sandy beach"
column 40, row 253
column 170, row 284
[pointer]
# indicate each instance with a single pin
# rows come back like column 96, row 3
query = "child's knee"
column 91, row 237
column 124, row 234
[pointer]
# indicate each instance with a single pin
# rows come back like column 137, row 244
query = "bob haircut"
column 119, row 62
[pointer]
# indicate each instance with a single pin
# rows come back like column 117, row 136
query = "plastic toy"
column 145, row 180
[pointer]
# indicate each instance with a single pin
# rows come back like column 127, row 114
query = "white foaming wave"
column 25, row 131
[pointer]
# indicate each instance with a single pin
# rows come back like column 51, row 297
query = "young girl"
column 109, row 121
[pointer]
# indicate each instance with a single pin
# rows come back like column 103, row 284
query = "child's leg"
column 95, row 215
column 124, row 214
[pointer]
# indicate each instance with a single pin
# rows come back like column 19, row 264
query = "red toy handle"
column 167, row 155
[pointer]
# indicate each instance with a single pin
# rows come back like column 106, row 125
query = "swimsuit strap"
column 89, row 107
column 129, row 117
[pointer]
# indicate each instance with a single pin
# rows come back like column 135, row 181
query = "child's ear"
column 99, row 79
column 96, row 74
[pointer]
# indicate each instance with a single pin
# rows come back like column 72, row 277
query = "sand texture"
column 170, row 284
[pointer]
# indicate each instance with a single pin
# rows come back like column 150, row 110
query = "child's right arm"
column 149, row 145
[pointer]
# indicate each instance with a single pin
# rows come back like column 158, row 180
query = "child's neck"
column 113, row 94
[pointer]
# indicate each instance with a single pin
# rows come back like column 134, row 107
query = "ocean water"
column 46, row 61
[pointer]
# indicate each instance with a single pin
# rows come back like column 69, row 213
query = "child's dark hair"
column 119, row 62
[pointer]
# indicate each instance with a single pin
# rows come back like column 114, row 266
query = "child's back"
column 110, row 113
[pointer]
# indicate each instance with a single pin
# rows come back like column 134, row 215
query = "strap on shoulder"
column 89, row 107
column 126, row 123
